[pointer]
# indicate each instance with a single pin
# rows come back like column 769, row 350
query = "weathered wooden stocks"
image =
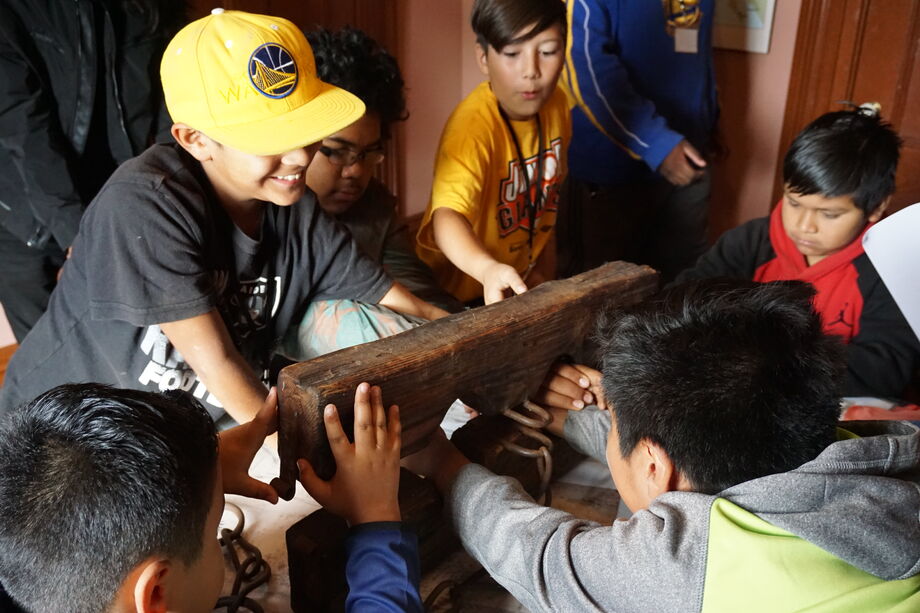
column 490, row 357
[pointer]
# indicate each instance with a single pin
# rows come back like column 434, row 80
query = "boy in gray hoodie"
column 722, row 437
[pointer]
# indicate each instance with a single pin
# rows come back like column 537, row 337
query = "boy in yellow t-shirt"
column 487, row 221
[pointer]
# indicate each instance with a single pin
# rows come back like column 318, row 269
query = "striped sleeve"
column 599, row 85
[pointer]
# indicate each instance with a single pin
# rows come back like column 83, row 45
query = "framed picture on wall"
column 744, row 25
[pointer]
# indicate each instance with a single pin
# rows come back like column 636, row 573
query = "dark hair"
column 495, row 22
column 844, row 153
column 734, row 379
column 93, row 480
column 354, row 61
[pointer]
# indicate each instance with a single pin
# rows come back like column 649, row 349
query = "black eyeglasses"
column 343, row 156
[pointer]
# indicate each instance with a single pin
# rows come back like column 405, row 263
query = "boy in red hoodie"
column 838, row 178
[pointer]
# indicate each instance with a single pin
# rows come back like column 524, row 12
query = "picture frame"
column 744, row 25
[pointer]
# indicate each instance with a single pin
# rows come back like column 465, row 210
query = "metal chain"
column 530, row 427
column 251, row 571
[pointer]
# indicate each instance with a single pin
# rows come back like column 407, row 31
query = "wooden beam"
column 491, row 357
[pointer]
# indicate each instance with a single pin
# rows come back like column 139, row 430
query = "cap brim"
column 328, row 112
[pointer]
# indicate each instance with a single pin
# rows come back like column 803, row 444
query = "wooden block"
column 316, row 562
column 490, row 357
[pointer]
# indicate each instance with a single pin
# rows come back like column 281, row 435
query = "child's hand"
column 498, row 277
column 238, row 446
column 439, row 460
column 366, row 482
column 571, row 387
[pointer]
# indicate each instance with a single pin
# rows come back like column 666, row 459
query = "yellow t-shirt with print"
column 477, row 173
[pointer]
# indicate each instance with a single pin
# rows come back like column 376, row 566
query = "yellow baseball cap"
column 249, row 82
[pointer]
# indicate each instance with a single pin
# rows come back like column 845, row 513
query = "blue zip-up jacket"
column 636, row 98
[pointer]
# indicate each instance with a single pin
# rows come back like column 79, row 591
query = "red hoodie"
column 838, row 300
column 882, row 351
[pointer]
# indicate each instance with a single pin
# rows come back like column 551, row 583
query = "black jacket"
column 884, row 353
column 51, row 52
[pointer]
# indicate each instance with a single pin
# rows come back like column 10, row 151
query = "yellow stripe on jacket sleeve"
column 572, row 87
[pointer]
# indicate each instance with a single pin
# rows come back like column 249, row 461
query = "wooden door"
column 861, row 51
column 376, row 17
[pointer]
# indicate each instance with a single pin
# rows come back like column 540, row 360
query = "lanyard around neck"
column 533, row 201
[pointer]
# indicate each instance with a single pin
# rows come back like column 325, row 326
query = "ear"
column 661, row 476
column 198, row 144
column 482, row 59
column 879, row 211
column 151, row 586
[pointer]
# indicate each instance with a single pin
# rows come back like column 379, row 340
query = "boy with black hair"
column 502, row 157
column 342, row 177
column 342, row 173
column 197, row 256
column 720, row 436
column 838, row 175
column 110, row 500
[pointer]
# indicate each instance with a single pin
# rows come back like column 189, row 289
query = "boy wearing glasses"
column 342, row 174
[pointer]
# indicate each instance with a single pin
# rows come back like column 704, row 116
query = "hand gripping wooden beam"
column 491, row 357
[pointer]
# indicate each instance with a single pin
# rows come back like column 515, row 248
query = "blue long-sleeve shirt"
column 382, row 569
column 636, row 97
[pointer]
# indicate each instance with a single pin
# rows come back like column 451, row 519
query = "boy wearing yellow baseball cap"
column 196, row 256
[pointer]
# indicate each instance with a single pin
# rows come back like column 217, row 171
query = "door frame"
column 824, row 70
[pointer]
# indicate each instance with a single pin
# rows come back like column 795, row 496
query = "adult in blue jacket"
column 643, row 83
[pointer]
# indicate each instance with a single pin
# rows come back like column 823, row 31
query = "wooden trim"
column 829, row 54
column 815, row 19
column 900, row 101
column 5, row 354
column 391, row 170
column 853, row 67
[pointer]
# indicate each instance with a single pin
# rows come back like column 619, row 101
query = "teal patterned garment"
column 330, row 325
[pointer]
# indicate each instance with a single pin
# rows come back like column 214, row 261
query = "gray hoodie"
column 839, row 533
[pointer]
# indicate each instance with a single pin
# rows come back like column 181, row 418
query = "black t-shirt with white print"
column 156, row 246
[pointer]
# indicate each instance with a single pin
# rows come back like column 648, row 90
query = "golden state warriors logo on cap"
column 272, row 70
